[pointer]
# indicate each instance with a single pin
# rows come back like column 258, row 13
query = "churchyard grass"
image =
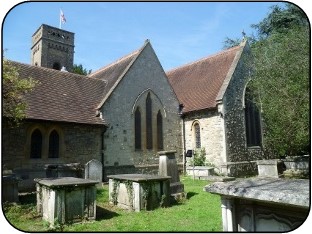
column 198, row 212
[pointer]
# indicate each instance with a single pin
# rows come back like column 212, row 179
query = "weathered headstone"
column 9, row 186
column 168, row 167
column 94, row 170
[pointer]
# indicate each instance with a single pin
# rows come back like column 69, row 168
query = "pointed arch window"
column 149, row 129
column 197, row 135
column 252, row 121
column 137, row 129
column 160, row 139
column 36, row 144
column 54, row 144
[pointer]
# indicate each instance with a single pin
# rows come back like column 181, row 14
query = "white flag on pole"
column 62, row 17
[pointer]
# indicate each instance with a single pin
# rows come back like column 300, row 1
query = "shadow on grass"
column 102, row 213
column 190, row 194
column 181, row 200
column 27, row 198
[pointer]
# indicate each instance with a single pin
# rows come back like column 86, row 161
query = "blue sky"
column 105, row 31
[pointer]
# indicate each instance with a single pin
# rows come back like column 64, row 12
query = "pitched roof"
column 62, row 96
column 115, row 71
column 111, row 72
column 197, row 84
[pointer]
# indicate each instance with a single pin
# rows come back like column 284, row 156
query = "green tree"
column 229, row 43
column 13, row 90
column 280, row 80
column 79, row 69
column 281, row 83
column 280, row 20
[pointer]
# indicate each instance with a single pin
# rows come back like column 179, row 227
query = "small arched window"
column 137, row 129
column 149, row 130
column 160, row 138
column 197, row 135
column 36, row 144
column 54, row 144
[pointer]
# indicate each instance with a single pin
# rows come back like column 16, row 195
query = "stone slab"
column 216, row 178
column 292, row 192
column 65, row 181
column 168, row 167
column 139, row 177
column 200, row 171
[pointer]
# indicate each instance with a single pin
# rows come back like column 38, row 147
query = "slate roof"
column 197, row 84
column 62, row 96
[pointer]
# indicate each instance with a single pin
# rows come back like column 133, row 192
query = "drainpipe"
column 183, row 135
column 184, row 144
column 102, row 153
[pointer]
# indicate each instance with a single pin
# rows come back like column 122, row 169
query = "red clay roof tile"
column 197, row 84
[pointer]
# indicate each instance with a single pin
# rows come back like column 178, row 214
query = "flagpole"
column 60, row 19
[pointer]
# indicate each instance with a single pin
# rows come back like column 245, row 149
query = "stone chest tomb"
column 139, row 191
column 66, row 200
column 262, row 204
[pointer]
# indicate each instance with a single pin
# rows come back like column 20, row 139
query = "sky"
column 180, row 32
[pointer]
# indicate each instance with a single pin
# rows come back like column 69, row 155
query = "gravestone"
column 9, row 187
column 168, row 167
column 94, row 170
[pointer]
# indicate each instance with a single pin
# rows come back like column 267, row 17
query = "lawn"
column 199, row 212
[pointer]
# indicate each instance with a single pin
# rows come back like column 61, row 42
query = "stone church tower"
column 53, row 48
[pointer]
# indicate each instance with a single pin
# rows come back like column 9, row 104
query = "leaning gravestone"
column 168, row 167
column 94, row 170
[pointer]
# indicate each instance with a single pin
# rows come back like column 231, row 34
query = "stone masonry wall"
column 234, row 117
column 145, row 76
column 78, row 144
column 211, row 133
column 52, row 45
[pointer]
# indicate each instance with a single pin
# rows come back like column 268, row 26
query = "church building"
column 127, row 111
column 218, row 115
